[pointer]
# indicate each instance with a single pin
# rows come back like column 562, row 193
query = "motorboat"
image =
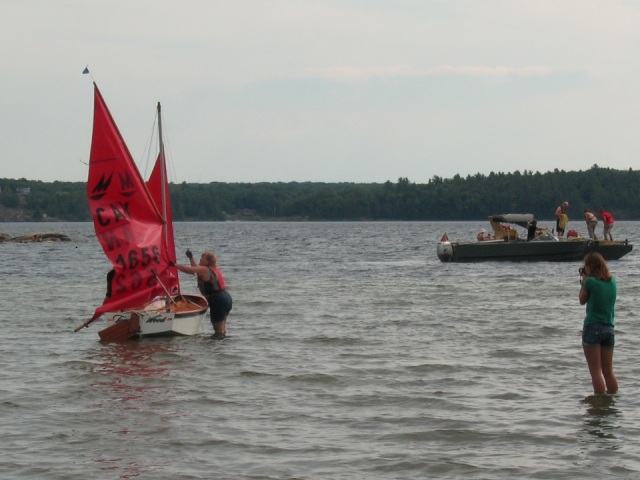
column 534, row 243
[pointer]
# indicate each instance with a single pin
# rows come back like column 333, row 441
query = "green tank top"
column 602, row 301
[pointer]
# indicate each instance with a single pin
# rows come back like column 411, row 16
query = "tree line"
column 469, row 198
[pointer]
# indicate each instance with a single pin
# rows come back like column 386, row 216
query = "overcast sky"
column 328, row 90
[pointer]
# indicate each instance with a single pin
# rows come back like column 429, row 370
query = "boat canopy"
column 522, row 219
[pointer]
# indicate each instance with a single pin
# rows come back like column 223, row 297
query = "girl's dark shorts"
column 598, row 334
column 219, row 306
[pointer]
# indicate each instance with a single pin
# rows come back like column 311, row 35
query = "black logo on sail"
column 126, row 185
column 101, row 188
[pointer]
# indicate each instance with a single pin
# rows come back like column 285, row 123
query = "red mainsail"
column 127, row 220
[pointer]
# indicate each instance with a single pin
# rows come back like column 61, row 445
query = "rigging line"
column 168, row 153
column 149, row 146
column 163, row 286
column 183, row 238
column 151, row 150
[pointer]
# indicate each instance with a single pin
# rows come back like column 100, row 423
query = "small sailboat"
column 133, row 222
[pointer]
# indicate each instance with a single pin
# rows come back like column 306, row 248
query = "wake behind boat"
column 507, row 243
column 134, row 225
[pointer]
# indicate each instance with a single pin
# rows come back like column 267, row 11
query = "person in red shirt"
column 607, row 220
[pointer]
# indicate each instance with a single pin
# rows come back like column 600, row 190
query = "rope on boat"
column 165, row 288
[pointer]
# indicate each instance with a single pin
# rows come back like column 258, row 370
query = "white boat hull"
column 156, row 319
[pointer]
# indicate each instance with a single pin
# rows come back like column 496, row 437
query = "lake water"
column 353, row 353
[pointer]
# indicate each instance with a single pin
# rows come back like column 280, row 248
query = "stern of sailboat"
column 123, row 328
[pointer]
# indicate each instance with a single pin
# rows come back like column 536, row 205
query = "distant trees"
column 457, row 198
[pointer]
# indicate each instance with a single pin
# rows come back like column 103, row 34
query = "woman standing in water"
column 598, row 292
column 212, row 286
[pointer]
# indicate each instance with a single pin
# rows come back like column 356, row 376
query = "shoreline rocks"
column 36, row 237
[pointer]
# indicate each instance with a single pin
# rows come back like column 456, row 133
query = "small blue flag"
column 86, row 70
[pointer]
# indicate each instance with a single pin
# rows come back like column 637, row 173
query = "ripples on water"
column 353, row 353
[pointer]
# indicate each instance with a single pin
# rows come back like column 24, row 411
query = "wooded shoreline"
column 471, row 198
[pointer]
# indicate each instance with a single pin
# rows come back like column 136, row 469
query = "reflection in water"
column 134, row 381
column 601, row 420
column 131, row 368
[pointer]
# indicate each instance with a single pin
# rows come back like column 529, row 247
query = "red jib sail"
column 159, row 189
column 127, row 221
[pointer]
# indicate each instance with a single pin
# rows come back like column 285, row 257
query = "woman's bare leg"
column 606, row 364
column 592, row 353
column 220, row 328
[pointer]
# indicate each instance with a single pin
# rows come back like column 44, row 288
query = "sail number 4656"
column 139, row 258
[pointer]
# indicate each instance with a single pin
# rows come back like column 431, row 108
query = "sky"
column 363, row 91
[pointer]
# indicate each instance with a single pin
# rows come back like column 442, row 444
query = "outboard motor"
column 445, row 249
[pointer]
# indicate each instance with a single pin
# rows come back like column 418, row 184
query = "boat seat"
column 503, row 232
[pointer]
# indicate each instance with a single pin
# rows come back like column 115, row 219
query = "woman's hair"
column 597, row 266
column 211, row 259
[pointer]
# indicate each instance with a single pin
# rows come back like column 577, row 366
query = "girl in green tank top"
column 598, row 292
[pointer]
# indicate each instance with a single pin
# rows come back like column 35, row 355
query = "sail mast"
column 163, row 175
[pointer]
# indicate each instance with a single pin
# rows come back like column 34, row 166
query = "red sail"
column 126, row 220
column 157, row 181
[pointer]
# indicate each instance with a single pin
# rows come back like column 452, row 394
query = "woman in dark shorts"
column 598, row 292
column 212, row 286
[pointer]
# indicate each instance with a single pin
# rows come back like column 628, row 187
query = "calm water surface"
column 353, row 353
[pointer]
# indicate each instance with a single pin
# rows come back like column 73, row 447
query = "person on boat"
column 561, row 218
column 607, row 221
column 592, row 221
column 482, row 235
column 110, row 276
column 598, row 291
column 532, row 230
column 212, row 286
